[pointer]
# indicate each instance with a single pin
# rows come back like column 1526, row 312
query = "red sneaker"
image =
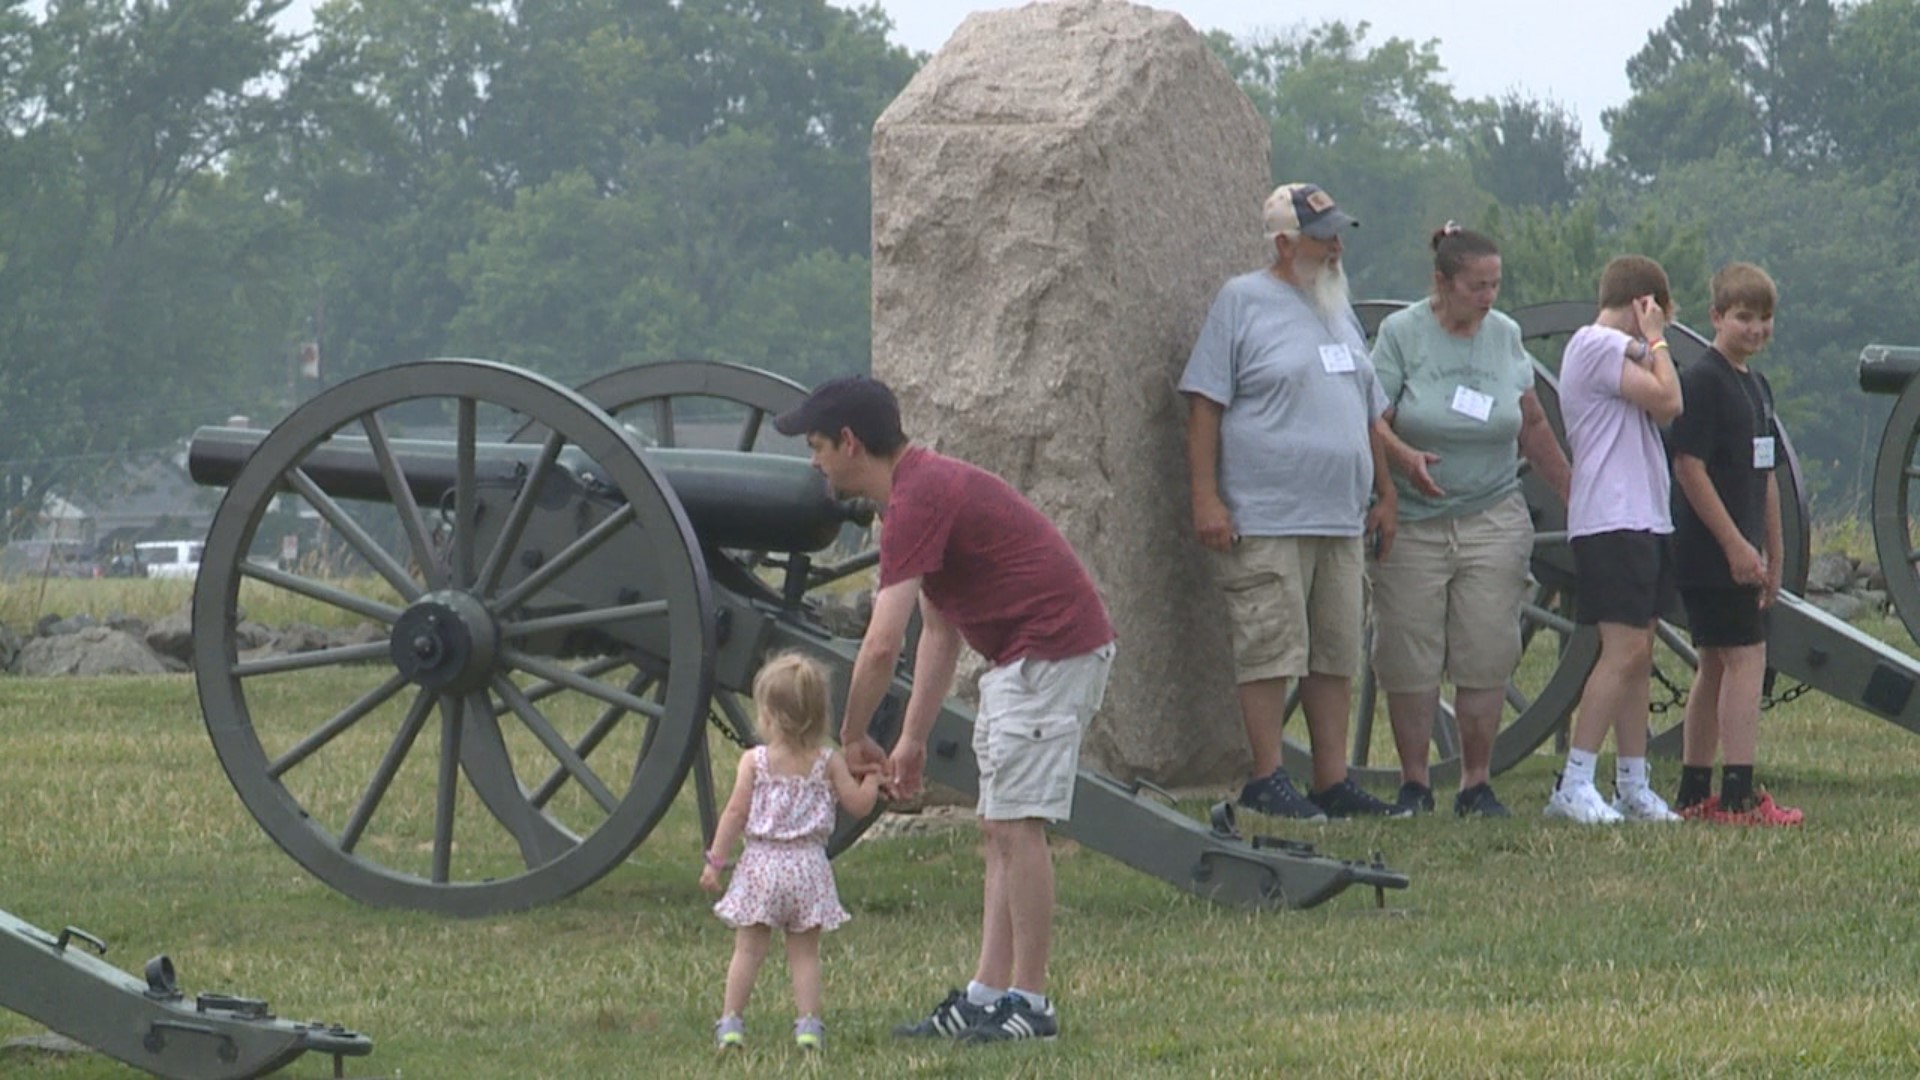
column 1704, row 810
column 1763, row 812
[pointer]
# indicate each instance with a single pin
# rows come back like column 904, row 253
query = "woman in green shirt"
column 1447, row 596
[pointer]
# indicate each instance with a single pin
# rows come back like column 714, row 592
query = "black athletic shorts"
column 1724, row 618
column 1626, row 577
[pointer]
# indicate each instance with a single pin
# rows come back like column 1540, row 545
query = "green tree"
column 1524, row 152
column 1877, row 77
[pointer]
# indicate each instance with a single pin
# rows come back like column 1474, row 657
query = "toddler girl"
column 783, row 800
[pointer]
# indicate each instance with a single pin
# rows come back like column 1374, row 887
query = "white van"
column 170, row 558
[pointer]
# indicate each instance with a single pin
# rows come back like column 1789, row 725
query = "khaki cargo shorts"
column 1026, row 735
column 1446, row 600
column 1295, row 604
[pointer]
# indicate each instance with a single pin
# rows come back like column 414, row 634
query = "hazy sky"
column 1574, row 54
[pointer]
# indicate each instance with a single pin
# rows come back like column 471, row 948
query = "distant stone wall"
column 1057, row 195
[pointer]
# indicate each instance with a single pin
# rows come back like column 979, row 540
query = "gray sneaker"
column 1275, row 796
column 730, row 1033
column 948, row 1020
column 809, row 1033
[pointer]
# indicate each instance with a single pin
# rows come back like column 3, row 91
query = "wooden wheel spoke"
column 446, row 788
column 340, row 722
column 602, row 726
column 556, row 744
column 489, row 767
column 522, row 509
column 383, row 775
column 750, row 430
column 356, row 537
column 465, row 494
column 307, row 661
column 565, row 559
column 404, row 504
column 323, row 592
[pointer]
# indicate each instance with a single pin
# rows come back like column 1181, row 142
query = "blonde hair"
column 790, row 695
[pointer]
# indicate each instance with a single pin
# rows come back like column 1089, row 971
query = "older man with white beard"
column 1284, row 451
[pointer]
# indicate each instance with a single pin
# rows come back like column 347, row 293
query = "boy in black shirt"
column 1727, row 547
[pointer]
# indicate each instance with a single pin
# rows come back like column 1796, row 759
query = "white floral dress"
column 783, row 879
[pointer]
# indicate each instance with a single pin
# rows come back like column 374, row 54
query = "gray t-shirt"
column 1459, row 398
column 1300, row 394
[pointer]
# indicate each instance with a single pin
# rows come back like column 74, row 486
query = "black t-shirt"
column 1726, row 409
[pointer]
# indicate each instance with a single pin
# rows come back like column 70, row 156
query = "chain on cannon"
column 566, row 595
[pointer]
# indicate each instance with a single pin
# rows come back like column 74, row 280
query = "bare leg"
column 1700, row 734
column 1477, row 713
column 1026, row 871
column 1263, row 709
column 996, row 918
column 1746, row 670
column 1326, row 699
column 1411, row 715
column 1616, row 691
column 803, row 962
column 750, row 945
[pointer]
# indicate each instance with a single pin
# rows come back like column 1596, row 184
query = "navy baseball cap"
column 857, row 402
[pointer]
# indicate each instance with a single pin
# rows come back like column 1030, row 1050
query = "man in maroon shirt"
column 988, row 569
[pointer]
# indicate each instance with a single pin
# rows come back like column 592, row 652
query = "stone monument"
column 1056, row 197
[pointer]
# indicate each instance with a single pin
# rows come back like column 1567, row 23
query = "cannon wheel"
column 324, row 746
column 713, row 405
column 1559, row 654
column 1895, row 472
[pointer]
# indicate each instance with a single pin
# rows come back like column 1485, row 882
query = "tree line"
column 189, row 195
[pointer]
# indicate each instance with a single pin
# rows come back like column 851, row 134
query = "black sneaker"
column 1348, row 799
column 1012, row 1018
column 1414, row 799
column 1275, row 796
column 1478, row 801
column 949, row 1020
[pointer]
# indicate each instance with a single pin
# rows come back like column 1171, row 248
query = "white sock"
column 1630, row 773
column 979, row 993
column 1036, row 1002
column 1579, row 769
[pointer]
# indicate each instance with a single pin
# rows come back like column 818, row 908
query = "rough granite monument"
column 1056, row 197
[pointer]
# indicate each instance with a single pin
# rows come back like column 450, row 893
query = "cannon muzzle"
column 749, row 502
column 1886, row 369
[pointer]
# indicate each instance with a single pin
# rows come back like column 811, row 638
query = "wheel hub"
column 446, row 641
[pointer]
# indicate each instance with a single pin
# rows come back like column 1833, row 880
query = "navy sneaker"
column 1348, row 799
column 1275, row 796
column 1013, row 1018
column 949, row 1020
column 1414, row 799
column 1478, row 801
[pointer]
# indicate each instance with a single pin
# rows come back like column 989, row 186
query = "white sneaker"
column 1643, row 804
column 1581, row 803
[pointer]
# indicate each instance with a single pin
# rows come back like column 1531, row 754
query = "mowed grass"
column 1524, row 948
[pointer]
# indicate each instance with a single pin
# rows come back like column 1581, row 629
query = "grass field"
column 1524, row 948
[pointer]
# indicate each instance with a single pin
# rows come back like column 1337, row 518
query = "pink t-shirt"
column 1620, row 476
column 989, row 562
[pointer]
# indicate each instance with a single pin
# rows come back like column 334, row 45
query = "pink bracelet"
column 717, row 864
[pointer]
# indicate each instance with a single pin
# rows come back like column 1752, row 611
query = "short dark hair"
column 857, row 403
column 1742, row 284
column 1628, row 277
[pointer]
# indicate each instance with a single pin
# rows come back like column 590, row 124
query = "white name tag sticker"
column 1763, row 452
column 1336, row 359
column 1472, row 403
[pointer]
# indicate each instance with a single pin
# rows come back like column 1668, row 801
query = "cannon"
column 1805, row 644
column 150, row 1023
column 568, row 593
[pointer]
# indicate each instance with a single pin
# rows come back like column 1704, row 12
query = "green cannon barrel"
column 753, row 502
column 1886, row 369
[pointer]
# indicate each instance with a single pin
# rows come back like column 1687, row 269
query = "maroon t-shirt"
column 989, row 562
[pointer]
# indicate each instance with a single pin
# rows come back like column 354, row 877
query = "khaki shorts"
column 1295, row 604
column 1446, row 600
column 1026, row 735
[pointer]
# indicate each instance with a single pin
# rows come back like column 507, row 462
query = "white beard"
column 1327, row 288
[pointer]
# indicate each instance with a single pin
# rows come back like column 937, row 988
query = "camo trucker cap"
column 1305, row 209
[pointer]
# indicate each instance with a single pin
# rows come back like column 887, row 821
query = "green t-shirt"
column 1459, row 398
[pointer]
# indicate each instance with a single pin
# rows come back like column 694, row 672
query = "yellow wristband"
column 1661, row 344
